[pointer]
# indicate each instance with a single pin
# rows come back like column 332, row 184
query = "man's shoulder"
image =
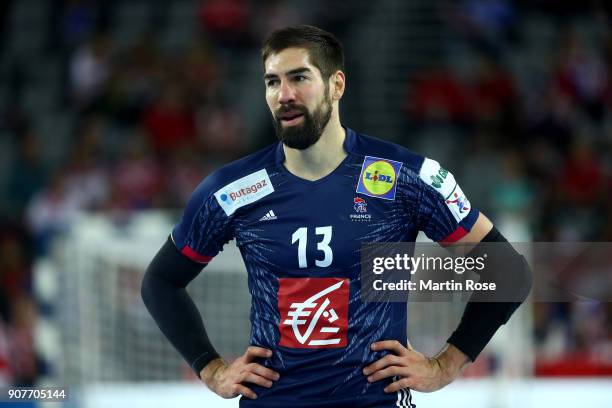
column 371, row 146
column 252, row 165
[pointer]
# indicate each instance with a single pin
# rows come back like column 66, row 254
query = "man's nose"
column 286, row 93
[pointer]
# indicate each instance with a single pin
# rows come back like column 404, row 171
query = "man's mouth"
column 291, row 117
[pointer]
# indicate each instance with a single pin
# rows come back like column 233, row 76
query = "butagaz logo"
column 378, row 177
column 314, row 312
column 361, row 210
column 244, row 191
column 444, row 183
column 269, row 216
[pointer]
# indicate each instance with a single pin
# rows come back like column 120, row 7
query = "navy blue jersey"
column 300, row 241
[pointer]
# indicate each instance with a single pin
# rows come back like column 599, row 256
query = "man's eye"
column 271, row 82
column 299, row 78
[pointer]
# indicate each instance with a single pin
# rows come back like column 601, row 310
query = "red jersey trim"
column 194, row 256
column 455, row 236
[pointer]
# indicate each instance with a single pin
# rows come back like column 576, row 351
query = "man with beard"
column 299, row 211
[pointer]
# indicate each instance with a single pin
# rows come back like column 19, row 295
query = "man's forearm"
column 451, row 362
column 483, row 317
column 163, row 292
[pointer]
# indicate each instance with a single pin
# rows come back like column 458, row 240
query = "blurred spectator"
column 27, row 174
column 23, row 362
column 551, row 120
column 438, row 95
column 169, row 121
column 583, row 76
column 543, row 161
column 484, row 166
column 551, row 334
column 137, row 177
column 202, row 72
column 14, row 269
column 132, row 82
column 81, row 185
column 494, row 95
column 227, row 22
column 581, row 179
column 606, row 225
column 513, row 194
column 78, row 21
column 219, row 130
column 86, row 171
column 563, row 9
column 276, row 14
column 50, row 211
column 184, row 171
column 487, row 24
column 590, row 322
column 5, row 371
column 89, row 71
column 5, row 6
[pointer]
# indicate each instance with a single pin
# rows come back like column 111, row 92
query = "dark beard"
column 309, row 132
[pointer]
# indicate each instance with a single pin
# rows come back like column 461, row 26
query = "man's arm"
column 478, row 324
column 451, row 359
column 479, row 230
column 163, row 292
column 164, row 295
column 481, row 319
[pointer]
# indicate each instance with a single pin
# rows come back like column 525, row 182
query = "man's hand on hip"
column 415, row 371
column 228, row 381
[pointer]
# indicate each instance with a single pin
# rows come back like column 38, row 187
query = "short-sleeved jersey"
column 300, row 241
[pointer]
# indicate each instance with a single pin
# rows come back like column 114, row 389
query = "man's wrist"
column 451, row 361
column 208, row 372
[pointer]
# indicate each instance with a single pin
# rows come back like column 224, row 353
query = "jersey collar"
column 349, row 144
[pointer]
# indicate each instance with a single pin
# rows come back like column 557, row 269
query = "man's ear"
column 337, row 85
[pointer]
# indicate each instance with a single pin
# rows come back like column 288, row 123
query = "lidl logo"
column 379, row 177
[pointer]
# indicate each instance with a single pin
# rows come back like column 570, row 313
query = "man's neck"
column 321, row 158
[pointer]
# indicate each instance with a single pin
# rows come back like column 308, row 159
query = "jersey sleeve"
column 204, row 227
column 444, row 213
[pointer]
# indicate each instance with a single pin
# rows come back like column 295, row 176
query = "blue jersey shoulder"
column 371, row 146
column 205, row 224
column 242, row 167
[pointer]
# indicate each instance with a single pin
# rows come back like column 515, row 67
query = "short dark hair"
column 324, row 49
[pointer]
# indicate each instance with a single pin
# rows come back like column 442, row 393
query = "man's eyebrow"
column 296, row 71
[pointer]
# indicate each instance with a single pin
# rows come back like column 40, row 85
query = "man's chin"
column 297, row 141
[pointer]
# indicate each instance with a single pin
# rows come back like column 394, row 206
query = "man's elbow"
column 168, row 271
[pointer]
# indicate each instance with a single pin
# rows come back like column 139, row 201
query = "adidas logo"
column 269, row 216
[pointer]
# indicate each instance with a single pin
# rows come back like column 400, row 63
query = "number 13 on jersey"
column 301, row 237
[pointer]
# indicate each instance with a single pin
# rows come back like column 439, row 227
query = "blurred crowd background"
column 117, row 106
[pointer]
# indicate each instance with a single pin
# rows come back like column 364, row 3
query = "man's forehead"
column 287, row 60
